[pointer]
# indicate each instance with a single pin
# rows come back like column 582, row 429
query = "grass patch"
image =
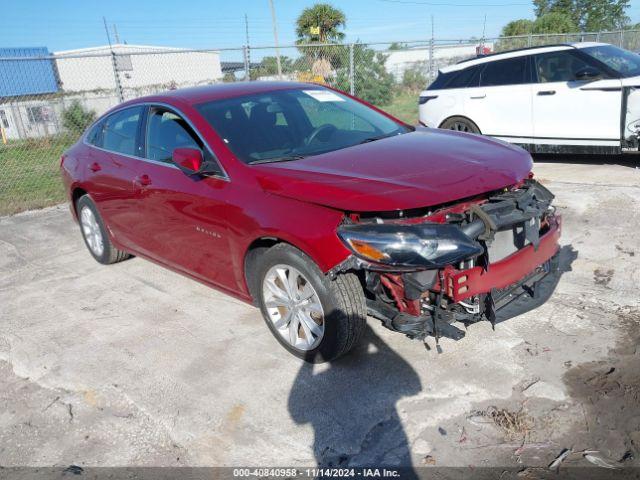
column 29, row 173
column 404, row 106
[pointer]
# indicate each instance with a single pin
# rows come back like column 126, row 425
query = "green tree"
column 398, row 46
column 269, row 66
column 596, row 15
column 554, row 22
column 320, row 23
column 76, row 118
column 517, row 27
column 587, row 15
column 414, row 78
column 373, row 82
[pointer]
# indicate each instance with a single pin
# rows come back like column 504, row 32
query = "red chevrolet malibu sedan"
column 318, row 208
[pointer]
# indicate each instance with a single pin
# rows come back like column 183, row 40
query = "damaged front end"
column 486, row 258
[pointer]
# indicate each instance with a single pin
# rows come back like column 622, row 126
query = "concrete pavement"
column 132, row 364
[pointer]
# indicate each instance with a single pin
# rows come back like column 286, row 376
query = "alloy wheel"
column 460, row 127
column 91, row 231
column 293, row 306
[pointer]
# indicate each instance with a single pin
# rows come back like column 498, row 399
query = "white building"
column 141, row 69
column 418, row 57
column 34, row 92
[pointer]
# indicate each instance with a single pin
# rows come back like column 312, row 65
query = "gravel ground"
column 135, row 365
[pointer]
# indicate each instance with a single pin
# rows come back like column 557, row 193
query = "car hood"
column 418, row 169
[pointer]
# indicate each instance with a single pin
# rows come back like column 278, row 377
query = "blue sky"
column 218, row 24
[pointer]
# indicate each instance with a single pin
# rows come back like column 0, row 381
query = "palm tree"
column 320, row 24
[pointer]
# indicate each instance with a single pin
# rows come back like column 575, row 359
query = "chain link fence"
column 47, row 100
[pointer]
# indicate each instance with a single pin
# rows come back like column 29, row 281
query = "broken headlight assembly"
column 426, row 245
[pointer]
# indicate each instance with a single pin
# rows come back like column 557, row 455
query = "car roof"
column 520, row 52
column 218, row 91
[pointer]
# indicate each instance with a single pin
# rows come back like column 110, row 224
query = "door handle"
column 479, row 97
column 547, row 92
column 143, row 180
column 95, row 167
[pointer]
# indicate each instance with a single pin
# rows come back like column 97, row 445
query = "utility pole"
column 484, row 31
column 115, row 34
column 247, row 50
column 275, row 37
column 114, row 63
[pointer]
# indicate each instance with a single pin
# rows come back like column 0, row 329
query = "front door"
column 183, row 219
column 570, row 111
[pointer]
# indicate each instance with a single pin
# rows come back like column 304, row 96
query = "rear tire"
column 460, row 124
column 95, row 234
column 336, row 307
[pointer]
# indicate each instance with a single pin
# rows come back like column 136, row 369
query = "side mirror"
column 189, row 160
column 587, row 73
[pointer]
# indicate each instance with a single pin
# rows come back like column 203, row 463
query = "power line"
column 441, row 4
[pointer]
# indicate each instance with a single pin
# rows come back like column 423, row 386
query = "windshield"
column 291, row 124
column 622, row 61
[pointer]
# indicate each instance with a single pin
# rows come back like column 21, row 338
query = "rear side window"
column 94, row 137
column 512, row 71
column 120, row 130
column 166, row 131
column 466, row 78
column 441, row 81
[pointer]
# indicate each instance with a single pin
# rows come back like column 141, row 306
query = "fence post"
column 116, row 76
column 245, row 50
column 621, row 38
column 431, row 58
column 530, row 38
column 352, row 86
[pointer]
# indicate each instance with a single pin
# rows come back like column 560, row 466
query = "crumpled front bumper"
column 463, row 284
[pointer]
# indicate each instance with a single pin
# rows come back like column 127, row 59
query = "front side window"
column 119, row 131
column 512, row 71
column 289, row 124
column 167, row 131
column 624, row 62
column 558, row 66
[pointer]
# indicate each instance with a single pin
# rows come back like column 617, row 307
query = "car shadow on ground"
column 351, row 405
column 629, row 161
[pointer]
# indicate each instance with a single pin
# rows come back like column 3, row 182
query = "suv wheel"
column 460, row 124
column 95, row 234
column 313, row 317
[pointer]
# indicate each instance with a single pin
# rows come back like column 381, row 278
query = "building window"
column 36, row 114
column 123, row 63
column 4, row 119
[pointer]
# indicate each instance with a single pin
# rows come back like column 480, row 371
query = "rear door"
column 182, row 219
column 110, row 170
column 500, row 104
column 566, row 110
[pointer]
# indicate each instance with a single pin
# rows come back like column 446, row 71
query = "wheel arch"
column 256, row 248
column 76, row 193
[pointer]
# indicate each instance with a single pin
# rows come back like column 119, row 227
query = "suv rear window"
column 512, row 71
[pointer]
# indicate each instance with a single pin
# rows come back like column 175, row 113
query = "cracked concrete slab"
column 132, row 364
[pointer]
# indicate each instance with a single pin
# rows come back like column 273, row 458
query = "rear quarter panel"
column 447, row 104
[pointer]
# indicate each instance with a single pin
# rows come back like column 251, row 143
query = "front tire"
column 95, row 234
column 313, row 317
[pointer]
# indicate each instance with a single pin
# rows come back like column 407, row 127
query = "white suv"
column 574, row 98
